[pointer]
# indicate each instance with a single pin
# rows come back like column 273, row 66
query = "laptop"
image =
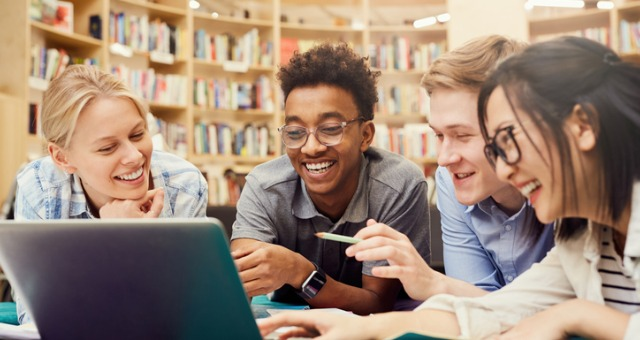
column 127, row 279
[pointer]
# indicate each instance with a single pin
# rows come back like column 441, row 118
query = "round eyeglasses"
column 504, row 145
column 327, row 134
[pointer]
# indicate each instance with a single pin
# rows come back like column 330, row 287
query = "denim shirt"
column 481, row 244
column 46, row 192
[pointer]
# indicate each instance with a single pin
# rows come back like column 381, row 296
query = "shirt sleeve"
column 464, row 256
column 544, row 285
column 409, row 215
column 28, row 196
column 252, row 218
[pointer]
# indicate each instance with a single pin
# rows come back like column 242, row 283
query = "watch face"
column 313, row 284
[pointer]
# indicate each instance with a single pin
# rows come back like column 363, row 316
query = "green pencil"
column 339, row 238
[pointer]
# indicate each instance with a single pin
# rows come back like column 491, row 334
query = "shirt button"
column 507, row 227
column 510, row 278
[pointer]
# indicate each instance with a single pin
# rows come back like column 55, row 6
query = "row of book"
column 223, row 139
column 248, row 48
column 144, row 35
column 599, row 34
column 224, row 184
column 169, row 89
column 58, row 14
column 173, row 136
column 289, row 45
column 401, row 55
column 629, row 36
column 402, row 99
column 228, row 94
column 47, row 63
column 413, row 140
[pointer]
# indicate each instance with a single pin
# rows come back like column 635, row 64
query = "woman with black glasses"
column 562, row 124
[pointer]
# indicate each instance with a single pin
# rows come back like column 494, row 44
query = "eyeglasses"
column 503, row 144
column 327, row 134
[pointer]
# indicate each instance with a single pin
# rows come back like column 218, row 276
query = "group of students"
column 535, row 144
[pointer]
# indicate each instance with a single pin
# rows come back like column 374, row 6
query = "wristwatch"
column 313, row 283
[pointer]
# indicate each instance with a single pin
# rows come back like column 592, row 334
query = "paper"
column 22, row 332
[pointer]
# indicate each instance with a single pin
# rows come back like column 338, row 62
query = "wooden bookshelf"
column 20, row 88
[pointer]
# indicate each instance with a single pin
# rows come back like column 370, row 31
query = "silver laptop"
column 127, row 279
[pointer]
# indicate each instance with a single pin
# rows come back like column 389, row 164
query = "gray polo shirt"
column 275, row 207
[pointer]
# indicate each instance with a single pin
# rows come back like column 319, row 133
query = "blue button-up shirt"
column 45, row 192
column 483, row 245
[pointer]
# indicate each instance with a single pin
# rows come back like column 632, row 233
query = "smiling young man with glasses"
column 330, row 181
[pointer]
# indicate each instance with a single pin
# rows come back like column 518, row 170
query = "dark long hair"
column 546, row 81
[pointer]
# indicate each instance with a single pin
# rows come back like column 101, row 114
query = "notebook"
column 127, row 279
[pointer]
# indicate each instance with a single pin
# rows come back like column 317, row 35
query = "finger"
column 156, row 206
column 374, row 243
column 391, row 253
column 378, row 229
column 304, row 319
column 299, row 332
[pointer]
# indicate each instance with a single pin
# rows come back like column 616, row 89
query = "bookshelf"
column 626, row 19
column 616, row 28
column 207, row 90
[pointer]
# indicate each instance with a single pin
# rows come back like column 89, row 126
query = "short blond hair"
column 71, row 92
column 469, row 66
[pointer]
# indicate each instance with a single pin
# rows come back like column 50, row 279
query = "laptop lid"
column 127, row 279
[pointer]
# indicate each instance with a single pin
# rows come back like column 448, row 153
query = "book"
column 95, row 26
column 64, row 16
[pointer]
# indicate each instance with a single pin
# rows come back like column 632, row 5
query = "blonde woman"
column 101, row 163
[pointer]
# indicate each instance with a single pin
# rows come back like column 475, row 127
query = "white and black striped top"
column 618, row 289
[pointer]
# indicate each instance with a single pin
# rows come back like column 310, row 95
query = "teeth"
column 460, row 176
column 318, row 168
column 531, row 186
column 131, row 176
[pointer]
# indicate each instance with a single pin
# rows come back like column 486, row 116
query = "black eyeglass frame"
column 342, row 125
column 492, row 150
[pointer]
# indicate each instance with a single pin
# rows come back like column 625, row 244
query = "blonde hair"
column 71, row 92
column 468, row 66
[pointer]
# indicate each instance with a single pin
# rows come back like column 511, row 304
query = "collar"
column 79, row 204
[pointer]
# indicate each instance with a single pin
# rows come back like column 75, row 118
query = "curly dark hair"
column 333, row 64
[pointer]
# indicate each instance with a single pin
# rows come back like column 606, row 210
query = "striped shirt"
column 618, row 289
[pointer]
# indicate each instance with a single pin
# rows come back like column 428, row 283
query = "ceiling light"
column 428, row 21
column 194, row 4
column 443, row 17
column 605, row 4
column 555, row 3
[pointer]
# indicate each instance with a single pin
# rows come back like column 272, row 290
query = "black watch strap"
column 313, row 284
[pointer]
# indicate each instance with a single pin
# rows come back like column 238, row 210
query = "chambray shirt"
column 45, row 192
column 481, row 244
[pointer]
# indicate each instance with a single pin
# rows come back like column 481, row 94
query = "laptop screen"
column 127, row 279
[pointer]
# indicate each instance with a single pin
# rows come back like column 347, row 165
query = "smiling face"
column 329, row 172
column 110, row 150
column 454, row 119
column 534, row 173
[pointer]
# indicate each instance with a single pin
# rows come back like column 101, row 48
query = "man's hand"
column 265, row 267
column 148, row 206
column 381, row 242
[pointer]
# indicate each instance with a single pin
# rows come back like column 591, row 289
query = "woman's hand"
column 148, row 206
column 573, row 317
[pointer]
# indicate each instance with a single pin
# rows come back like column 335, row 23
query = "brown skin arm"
column 265, row 267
